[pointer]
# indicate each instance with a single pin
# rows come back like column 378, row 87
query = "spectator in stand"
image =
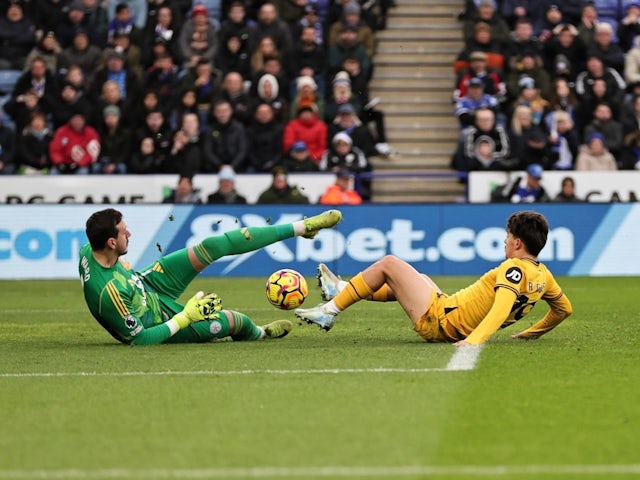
column 467, row 106
column 233, row 91
column 152, row 160
column 522, row 40
column 348, row 45
column 186, row 156
column 567, row 192
column 270, row 24
column 225, row 140
column 73, row 21
column 309, row 54
column 588, row 21
column 493, row 83
column 552, row 18
column 588, row 104
column 115, row 142
column 351, row 18
column 632, row 65
column 564, row 53
column 532, row 191
column 342, row 154
column 342, row 94
column 131, row 52
column 529, row 65
column 306, row 126
column 610, row 129
column 206, row 82
column 111, row 95
column 198, row 38
column 46, row 15
column 97, row 20
column 268, row 92
column 265, row 48
column 596, row 69
column 75, row 146
column 526, row 139
column 272, row 66
column 482, row 41
column 312, row 21
column 71, row 100
column 32, row 151
column 115, row 71
column 146, row 159
column 472, row 156
column 48, row 50
column 629, row 26
column 264, row 138
column 307, row 95
column 606, row 49
column 121, row 23
column 138, row 11
column 631, row 130
column 281, row 191
column 7, row 149
column 148, row 103
column 162, row 78
column 17, row 37
column 563, row 97
column 187, row 104
column 563, row 140
column 234, row 55
column 226, row 193
column 594, row 155
column 347, row 121
column 531, row 97
column 80, row 53
column 514, row 10
column 184, row 192
column 21, row 108
column 571, row 10
column 163, row 27
column 486, row 12
column 38, row 79
column 341, row 192
column 298, row 160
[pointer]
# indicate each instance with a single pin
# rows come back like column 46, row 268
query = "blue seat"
column 8, row 79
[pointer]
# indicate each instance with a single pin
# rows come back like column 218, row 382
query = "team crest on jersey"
column 514, row 275
column 215, row 327
column 130, row 321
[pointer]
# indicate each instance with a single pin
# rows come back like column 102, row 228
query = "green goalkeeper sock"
column 244, row 328
column 241, row 241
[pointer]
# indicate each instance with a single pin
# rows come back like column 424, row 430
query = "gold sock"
column 380, row 295
column 355, row 291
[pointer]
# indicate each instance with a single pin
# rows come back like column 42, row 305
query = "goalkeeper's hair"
column 101, row 226
column 530, row 227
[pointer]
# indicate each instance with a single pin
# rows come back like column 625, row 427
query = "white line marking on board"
column 465, row 358
column 332, row 471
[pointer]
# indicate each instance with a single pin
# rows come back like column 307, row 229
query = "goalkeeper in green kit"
column 141, row 308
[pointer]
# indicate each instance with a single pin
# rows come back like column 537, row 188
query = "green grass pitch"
column 367, row 400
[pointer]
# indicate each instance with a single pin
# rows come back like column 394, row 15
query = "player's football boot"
column 328, row 219
column 328, row 282
column 277, row 329
column 316, row 316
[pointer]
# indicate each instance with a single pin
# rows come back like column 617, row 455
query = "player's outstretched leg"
column 277, row 329
column 316, row 316
column 328, row 219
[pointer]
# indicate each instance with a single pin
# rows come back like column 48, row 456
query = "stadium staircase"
column 414, row 78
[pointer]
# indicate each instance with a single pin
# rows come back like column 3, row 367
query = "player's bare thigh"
column 409, row 287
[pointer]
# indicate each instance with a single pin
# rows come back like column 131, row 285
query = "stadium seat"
column 8, row 79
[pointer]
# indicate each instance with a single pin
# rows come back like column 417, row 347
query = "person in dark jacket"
column 298, row 159
column 264, row 137
column 115, row 141
column 281, row 191
column 225, row 141
column 226, row 193
column 33, row 146
column 17, row 37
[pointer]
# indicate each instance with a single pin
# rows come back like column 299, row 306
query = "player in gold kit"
column 470, row 316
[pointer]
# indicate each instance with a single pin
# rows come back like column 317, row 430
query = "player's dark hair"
column 530, row 227
column 101, row 226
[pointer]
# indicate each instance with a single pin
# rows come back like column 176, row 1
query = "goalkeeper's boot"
column 328, row 282
column 277, row 329
column 328, row 219
column 316, row 316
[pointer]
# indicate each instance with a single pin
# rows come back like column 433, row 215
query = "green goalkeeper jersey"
column 123, row 303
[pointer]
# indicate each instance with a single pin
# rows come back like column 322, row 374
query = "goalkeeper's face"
column 122, row 240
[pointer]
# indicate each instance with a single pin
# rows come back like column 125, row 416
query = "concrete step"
column 447, row 49
column 421, row 9
column 443, row 34
column 416, row 71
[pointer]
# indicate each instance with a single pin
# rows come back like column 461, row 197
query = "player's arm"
column 498, row 314
column 559, row 309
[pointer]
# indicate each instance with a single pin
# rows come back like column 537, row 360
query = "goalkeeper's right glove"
column 199, row 307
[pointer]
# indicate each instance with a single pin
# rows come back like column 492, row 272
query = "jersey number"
column 521, row 307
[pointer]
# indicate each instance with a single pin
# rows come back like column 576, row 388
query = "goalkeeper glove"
column 199, row 307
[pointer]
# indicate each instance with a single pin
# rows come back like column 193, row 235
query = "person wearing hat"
column 306, row 95
column 306, row 126
column 226, row 193
column 493, row 83
column 531, row 191
column 17, row 37
column 115, row 142
column 351, row 17
column 475, row 99
column 347, row 120
column 342, row 154
column 594, row 155
column 529, row 94
column 528, row 64
column 342, row 94
column 341, row 192
column 280, row 191
column 298, row 160
column 75, row 146
column 198, row 37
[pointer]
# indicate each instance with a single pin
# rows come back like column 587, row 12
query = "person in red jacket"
column 75, row 146
column 341, row 192
column 306, row 127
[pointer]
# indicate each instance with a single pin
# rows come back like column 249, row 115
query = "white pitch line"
column 465, row 358
column 222, row 372
column 332, row 471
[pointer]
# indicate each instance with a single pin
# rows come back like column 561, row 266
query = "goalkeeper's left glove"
column 199, row 307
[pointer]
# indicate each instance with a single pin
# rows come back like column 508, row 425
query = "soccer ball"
column 286, row 289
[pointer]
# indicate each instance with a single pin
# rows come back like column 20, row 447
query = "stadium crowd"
column 544, row 85
column 175, row 86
